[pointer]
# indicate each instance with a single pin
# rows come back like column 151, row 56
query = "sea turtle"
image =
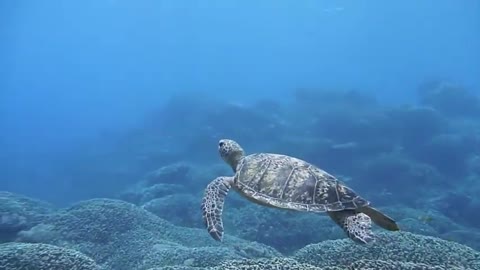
column 286, row 182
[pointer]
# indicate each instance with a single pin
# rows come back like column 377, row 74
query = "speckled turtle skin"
column 290, row 183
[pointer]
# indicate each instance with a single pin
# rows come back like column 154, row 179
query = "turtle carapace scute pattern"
column 286, row 182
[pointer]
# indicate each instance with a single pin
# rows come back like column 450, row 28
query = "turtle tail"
column 380, row 218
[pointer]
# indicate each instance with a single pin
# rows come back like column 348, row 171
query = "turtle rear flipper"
column 212, row 205
column 380, row 218
column 357, row 226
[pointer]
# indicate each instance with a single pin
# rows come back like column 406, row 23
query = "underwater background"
column 111, row 112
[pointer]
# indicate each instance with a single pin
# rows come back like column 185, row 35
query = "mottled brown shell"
column 290, row 183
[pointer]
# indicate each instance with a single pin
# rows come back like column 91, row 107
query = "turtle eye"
column 221, row 144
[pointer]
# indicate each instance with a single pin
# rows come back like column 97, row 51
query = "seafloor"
column 419, row 163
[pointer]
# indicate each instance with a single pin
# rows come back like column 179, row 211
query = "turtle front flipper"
column 356, row 225
column 212, row 205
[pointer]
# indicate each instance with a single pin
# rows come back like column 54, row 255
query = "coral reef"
column 267, row 264
column 171, row 174
column 291, row 264
column 18, row 213
column 180, row 209
column 401, row 247
column 394, row 172
column 449, row 98
column 141, row 193
column 274, row 227
column 120, row 235
column 43, row 257
column 117, row 235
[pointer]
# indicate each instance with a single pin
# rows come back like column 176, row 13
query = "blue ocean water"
column 109, row 104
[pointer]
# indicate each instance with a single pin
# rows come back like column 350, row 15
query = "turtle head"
column 231, row 152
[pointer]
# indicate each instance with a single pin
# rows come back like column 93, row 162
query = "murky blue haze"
column 72, row 70
column 95, row 95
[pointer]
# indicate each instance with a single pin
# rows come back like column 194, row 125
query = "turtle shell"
column 286, row 182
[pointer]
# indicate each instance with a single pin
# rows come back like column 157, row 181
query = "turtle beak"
column 221, row 148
